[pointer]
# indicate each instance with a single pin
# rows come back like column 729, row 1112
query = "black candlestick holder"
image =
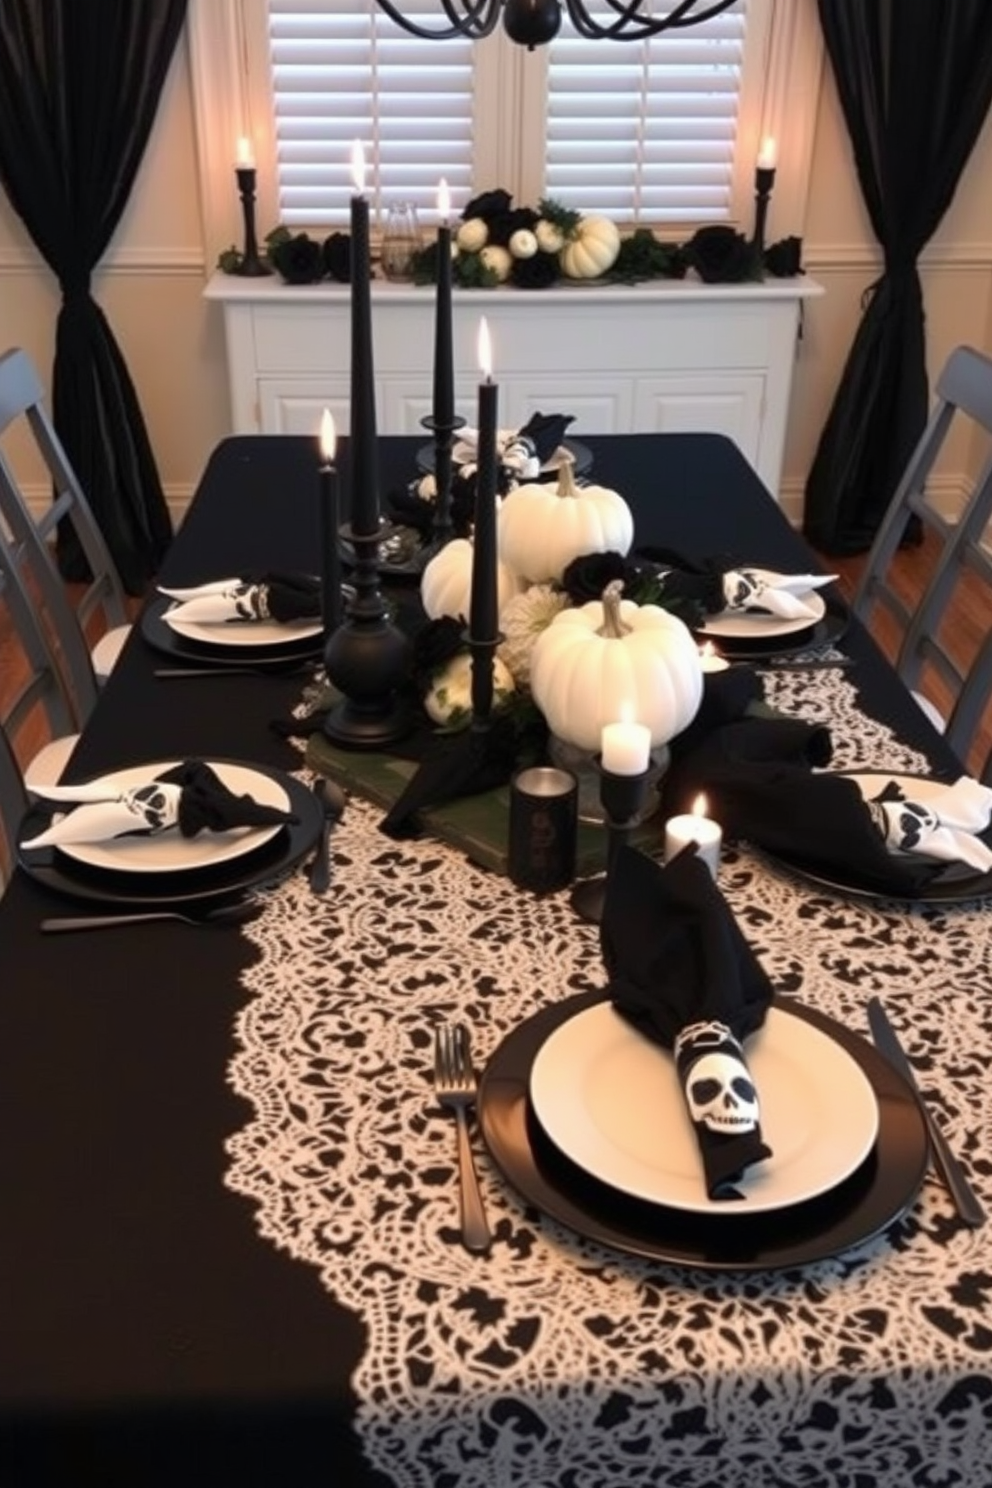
column 622, row 798
column 444, row 431
column 764, row 180
column 367, row 658
column 483, row 653
column 251, row 265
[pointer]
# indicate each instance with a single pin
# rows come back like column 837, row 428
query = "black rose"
column 784, row 258
column 586, row 577
column 537, row 272
column 299, row 260
column 434, row 645
column 463, row 502
column 720, row 255
column 337, row 257
column 488, row 205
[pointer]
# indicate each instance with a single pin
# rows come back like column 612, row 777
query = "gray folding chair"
column 13, row 804
column 22, row 407
column 39, row 717
column 930, row 643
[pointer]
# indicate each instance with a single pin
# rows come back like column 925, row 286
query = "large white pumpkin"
column 592, row 249
column 446, row 582
column 544, row 525
column 612, row 659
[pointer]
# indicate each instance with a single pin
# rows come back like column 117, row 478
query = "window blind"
column 344, row 71
column 646, row 130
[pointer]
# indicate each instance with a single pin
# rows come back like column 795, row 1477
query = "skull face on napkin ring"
column 718, row 1086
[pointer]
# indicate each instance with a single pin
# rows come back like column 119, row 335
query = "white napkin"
column 932, row 819
column 101, row 813
column 515, row 453
column 219, row 602
column 775, row 593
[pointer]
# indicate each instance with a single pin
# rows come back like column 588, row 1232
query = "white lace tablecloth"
column 554, row 1361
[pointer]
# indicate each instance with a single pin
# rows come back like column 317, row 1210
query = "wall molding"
column 948, row 492
column 177, row 498
column 144, row 261
column 822, row 258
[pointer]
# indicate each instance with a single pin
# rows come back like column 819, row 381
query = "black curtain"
column 79, row 87
column 915, row 84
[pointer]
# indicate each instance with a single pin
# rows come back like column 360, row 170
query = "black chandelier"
column 534, row 23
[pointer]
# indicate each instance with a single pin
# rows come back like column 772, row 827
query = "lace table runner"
column 554, row 1361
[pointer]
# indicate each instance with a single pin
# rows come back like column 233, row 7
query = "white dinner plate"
column 610, row 1100
column 749, row 625
column 170, row 852
column 244, row 632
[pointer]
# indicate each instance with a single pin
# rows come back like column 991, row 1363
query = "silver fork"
column 455, row 1087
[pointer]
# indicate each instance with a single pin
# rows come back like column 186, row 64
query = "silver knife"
column 946, row 1164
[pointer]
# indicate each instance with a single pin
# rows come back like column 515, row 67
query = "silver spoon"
column 332, row 798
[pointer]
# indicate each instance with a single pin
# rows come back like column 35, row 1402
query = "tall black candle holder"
column 764, row 180
column 622, row 798
column 251, row 265
column 367, row 658
column 444, row 431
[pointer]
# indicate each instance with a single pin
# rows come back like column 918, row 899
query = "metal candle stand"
column 622, row 798
column 367, row 658
column 251, row 266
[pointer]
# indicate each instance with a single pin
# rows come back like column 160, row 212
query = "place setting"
column 687, row 1113
column 272, row 621
column 192, row 835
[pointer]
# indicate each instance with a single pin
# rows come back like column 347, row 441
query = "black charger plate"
column 163, row 638
column 74, row 880
column 862, row 1206
column 826, row 632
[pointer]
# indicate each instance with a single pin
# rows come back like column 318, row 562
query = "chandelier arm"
column 475, row 20
column 631, row 26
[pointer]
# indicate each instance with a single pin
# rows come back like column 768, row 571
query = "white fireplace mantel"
column 670, row 355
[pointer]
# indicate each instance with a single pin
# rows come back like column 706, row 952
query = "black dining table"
column 229, row 1251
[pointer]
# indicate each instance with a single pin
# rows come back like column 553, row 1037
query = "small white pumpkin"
column 592, row 249
column 498, row 260
column 612, row 658
column 544, row 525
column 449, row 697
column 523, row 243
column 550, row 238
column 472, row 235
column 446, row 582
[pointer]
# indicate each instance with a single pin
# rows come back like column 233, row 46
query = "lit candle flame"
column 443, row 200
column 246, row 159
column 358, row 167
column 328, row 437
column 700, row 806
column 485, row 349
column 768, row 154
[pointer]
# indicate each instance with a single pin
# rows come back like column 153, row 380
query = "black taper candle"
column 329, row 550
column 483, row 604
column 444, row 371
column 363, row 451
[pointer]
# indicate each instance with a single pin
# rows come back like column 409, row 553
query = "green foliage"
column 563, row 217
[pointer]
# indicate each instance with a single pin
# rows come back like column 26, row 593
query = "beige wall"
column 151, row 280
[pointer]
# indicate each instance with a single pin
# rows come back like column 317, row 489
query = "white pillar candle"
column 696, row 827
column 625, row 748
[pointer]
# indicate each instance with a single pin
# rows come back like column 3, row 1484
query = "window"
column 643, row 132
column 663, row 133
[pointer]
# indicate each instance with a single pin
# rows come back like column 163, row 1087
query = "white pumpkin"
column 446, row 582
column 550, row 238
column 544, row 525
column 449, row 697
column 592, row 249
column 497, row 259
column 523, row 243
column 612, row 659
column 472, row 235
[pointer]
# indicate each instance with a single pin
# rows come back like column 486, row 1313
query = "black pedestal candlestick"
column 622, row 798
column 366, row 658
column 764, row 180
column 251, row 266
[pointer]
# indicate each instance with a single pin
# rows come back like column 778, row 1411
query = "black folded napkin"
column 207, row 805
column 456, row 765
column 764, row 783
column 540, row 437
column 682, row 973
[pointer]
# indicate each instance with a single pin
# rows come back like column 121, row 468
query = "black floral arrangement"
column 497, row 243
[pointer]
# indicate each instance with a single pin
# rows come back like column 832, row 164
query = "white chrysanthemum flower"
column 522, row 619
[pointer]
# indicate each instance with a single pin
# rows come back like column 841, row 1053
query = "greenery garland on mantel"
column 496, row 243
